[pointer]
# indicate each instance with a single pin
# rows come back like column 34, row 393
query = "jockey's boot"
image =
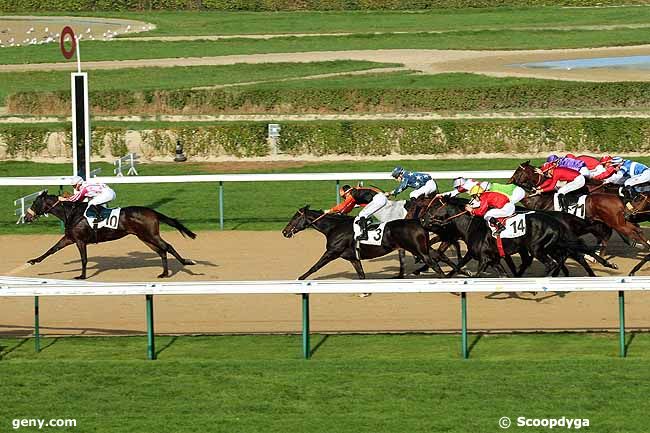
column 363, row 225
column 562, row 200
column 498, row 225
column 98, row 214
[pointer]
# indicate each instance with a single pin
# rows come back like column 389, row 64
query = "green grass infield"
column 353, row 383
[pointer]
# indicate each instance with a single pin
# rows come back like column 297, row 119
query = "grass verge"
column 378, row 383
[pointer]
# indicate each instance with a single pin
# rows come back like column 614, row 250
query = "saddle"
column 104, row 212
column 572, row 198
column 110, row 217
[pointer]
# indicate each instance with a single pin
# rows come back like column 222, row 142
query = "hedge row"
column 358, row 138
column 285, row 5
column 230, row 100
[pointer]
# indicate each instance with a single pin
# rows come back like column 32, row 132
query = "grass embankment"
column 399, row 383
column 239, row 23
column 177, row 77
column 461, row 40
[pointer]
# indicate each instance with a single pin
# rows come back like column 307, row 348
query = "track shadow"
column 6, row 352
column 132, row 260
column 27, row 331
column 52, row 342
column 502, row 296
column 166, row 346
column 322, row 341
column 474, row 343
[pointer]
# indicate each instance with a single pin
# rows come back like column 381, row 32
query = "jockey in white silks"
column 96, row 193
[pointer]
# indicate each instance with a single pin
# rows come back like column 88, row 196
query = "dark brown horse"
column 599, row 207
column 134, row 220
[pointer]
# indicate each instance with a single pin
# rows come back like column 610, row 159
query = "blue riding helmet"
column 397, row 172
column 552, row 158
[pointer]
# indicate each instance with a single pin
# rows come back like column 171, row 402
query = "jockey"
column 593, row 164
column 612, row 172
column 97, row 193
column 574, row 180
column 636, row 174
column 515, row 193
column 492, row 205
column 461, row 185
column 421, row 183
column 370, row 199
column 575, row 164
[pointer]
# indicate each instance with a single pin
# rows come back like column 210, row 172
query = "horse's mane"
column 333, row 216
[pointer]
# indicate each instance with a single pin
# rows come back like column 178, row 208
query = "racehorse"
column 599, row 207
column 545, row 239
column 134, row 220
column 406, row 234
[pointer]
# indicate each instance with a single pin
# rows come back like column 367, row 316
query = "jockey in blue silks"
column 421, row 183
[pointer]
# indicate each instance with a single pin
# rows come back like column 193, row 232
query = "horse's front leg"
column 327, row 257
column 62, row 243
column 357, row 267
column 81, row 246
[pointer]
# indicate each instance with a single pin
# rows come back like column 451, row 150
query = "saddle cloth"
column 375, row 235
column 576, row 208
column 111, row 218
column 515, row 226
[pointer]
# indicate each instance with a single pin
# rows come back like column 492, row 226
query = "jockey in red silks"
column 574, row 180
column 492, row 205
column 97, row 193
column 370, row 199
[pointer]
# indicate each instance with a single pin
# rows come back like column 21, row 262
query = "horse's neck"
column 324, row 224
column 541, row 202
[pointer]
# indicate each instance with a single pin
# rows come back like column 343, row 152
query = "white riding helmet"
column 76, row 179
column 458, row 182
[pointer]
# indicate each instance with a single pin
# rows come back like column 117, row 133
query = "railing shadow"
column 4, row 353
column 319, row 344
column 166, row 346
column 474, row 343
column 626, row 348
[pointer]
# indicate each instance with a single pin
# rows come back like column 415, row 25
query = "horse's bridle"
column 34, row 215
column 442, row 204
column 645, row 200
column 293, row 230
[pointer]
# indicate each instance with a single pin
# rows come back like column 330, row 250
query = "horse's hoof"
column 80, row 277
column 32, row 261
column 631, row 274
column 614, row 265
column 190, row 262
column 163, row 275
column 364, row 295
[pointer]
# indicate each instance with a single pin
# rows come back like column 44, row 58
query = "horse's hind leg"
column 81, row 246
column 639, row 265
column 163, row 257
column 357, row 267
column 173, row 252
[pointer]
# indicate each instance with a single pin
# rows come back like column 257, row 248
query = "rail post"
column 463, row 324
column 37, row 332
column 621, row 317
column 306, row 349
column 221, row 204
column 338, row 196
column 151, row 343
column 61, row 224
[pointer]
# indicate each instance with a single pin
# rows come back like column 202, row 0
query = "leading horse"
column 134, row 220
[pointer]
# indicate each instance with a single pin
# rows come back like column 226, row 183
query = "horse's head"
column 525, row 176
column 438, row 211
column 298, row 222
column 41, row 205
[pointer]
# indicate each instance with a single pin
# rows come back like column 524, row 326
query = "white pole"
column 78, row 54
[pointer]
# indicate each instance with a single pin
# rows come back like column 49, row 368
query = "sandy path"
column 266, row 256
column 493, row 63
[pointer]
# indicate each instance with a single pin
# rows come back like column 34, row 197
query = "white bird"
column 88, row 30
column 47, row 30
column 128, row 27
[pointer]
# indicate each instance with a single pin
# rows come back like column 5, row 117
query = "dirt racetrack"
column 238, row 255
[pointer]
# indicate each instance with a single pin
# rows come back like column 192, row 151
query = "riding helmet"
column 76, row 180
column 476, row 190
column 459, row 181
column 552, row 158
column 397, row 172
column 344, row 190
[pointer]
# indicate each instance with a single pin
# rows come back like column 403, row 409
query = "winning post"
column 80, row 114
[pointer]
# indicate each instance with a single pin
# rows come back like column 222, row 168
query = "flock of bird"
column 47, row 36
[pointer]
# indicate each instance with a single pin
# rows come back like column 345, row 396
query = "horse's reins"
column 645, row 200
column 452, row 217
column 33, row 214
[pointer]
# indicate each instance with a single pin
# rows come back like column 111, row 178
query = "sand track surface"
column 243, row 255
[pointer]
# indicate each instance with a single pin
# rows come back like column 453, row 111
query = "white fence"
column 127, row 162
column 23, row 204
column 13, row 287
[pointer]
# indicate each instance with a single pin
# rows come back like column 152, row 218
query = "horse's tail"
column 176, row 224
